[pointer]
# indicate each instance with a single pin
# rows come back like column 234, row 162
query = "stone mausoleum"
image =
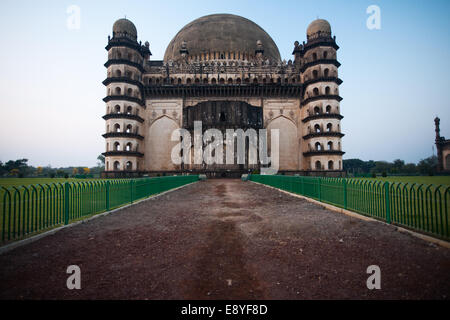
column 227, row 72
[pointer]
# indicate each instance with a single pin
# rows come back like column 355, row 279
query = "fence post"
column 66, row 203
column 131, row 190
column 107, row 196
column 386, row 200
column 345, row 193
column 320, row 191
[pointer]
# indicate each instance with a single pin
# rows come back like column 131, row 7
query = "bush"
column 384, row 174
column 374, row 175
column 52, row 175
column 66, row 176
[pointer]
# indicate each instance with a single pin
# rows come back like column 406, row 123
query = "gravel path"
column 227, row 239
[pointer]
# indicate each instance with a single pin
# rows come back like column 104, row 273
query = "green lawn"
column 436, row 180
column 7, row 182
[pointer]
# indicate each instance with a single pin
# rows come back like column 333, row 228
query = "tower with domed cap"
column 316, row 59
column 227, row 72
column 124, row 100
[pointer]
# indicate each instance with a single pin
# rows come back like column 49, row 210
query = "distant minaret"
column 438, row 144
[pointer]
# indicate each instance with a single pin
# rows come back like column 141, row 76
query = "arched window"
column 230, row 81
column 314, row 56
column 188, row 81
column 317, row 128
column 325, row 54
column 222, row 81
column 129, row 110
column 128, row 146
column 179, row 81
column 107, row 165
column 330, row 165
column 315, row 74
column 318, row 146
column 205, row 81
column 223, row 117
column 238, row 80
column 318, row 165
column 119, row 55
column 329, row 127
column 129, row 166
column 316, row 91
column 326, row 72
column 255, row 80
column 118, row 91
column 117, row 109
column 247, row 80
column 116, row 165
column 316, row 110
column 330, row 145
column 213, row 81
column 118, row 73
column 327, row 90
column 129, row 128
column 328, row 109
column 130, row 92
column 117, row 127
column 116, row 146
column 197, row 80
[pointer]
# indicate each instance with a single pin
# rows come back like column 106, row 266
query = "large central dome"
column 225, row 34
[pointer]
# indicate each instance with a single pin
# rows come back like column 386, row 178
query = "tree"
column 101, row 161
column 428, row 165
column 86, row 170
column 74, row 171
column 14, row 172
column 39, row 170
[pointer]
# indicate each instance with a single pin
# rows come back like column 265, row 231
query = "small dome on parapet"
column 319, row 25
column 124, row 27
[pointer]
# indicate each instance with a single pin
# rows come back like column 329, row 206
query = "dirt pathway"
column 226, row 239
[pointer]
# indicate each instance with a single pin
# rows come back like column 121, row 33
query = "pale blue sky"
column 395, row 79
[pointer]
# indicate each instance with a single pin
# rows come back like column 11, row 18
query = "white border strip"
column 31, row 239
column 427, row 238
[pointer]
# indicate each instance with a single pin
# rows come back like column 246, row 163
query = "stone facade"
column 227, row 72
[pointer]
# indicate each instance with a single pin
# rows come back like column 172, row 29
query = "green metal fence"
column 416, row 206
column 30, row 209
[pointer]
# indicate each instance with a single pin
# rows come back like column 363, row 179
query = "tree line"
column 20, row 169
column 427, row 166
